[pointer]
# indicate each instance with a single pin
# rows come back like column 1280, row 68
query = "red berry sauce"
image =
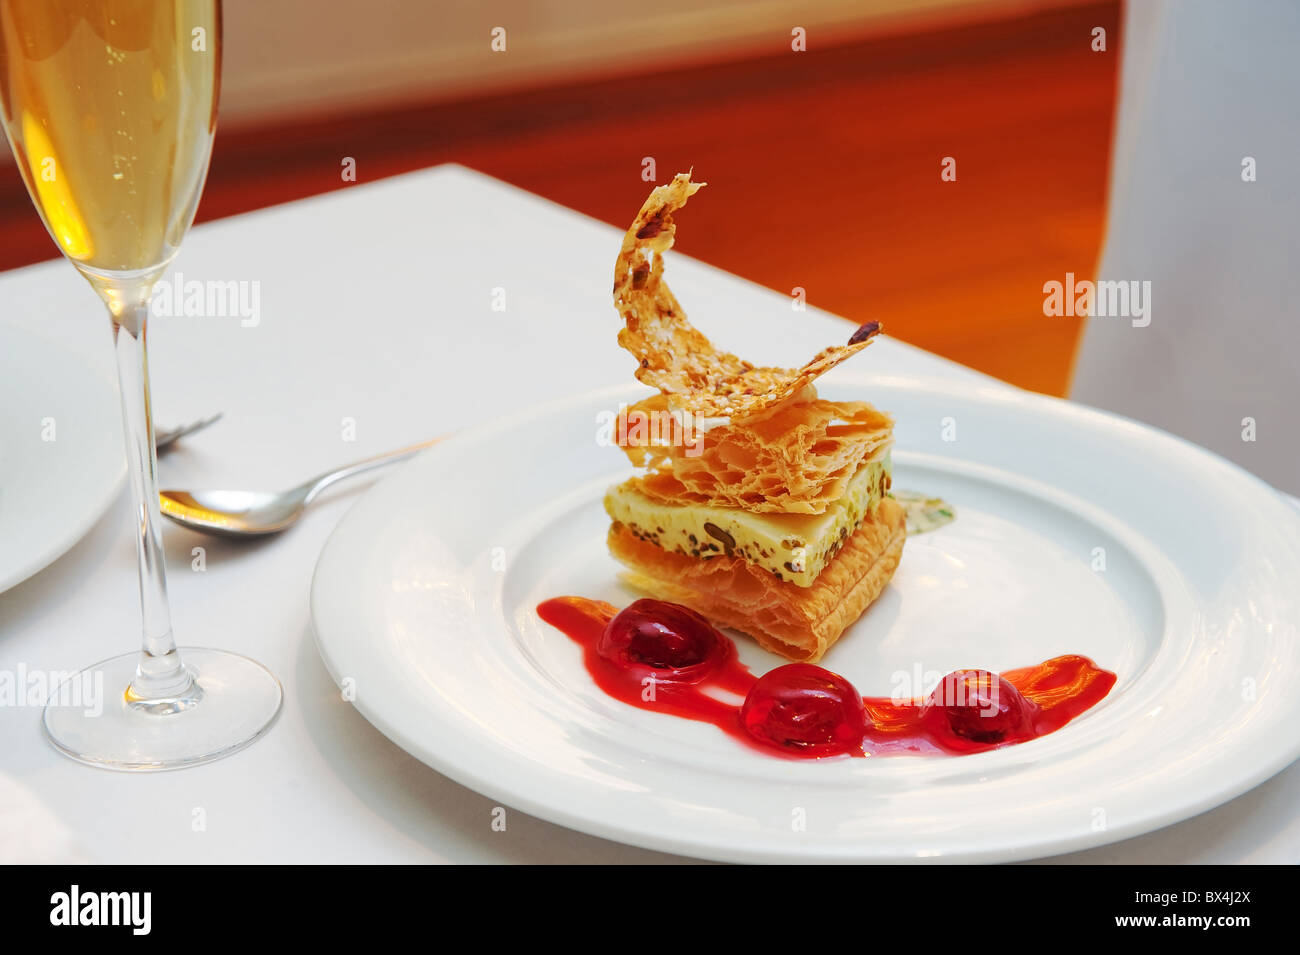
column 663, row 657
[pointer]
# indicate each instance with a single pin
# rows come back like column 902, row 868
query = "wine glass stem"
column 160, row 680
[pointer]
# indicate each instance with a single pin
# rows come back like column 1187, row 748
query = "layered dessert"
column 762, row 506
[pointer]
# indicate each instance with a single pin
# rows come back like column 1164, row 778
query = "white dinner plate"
column 61, row 457
column 1077, row 532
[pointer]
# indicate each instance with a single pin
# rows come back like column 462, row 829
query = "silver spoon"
column 257, row 513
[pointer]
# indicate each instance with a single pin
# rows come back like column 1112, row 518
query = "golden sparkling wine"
column 110, row 106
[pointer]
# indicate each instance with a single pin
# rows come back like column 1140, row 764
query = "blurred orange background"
column 823, row 165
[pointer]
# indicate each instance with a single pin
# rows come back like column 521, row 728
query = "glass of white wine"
column 110, row 107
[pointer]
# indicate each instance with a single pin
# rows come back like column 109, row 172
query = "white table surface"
column 375, row 306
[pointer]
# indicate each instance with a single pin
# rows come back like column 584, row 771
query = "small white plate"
column 424, row 607
column 61, row 457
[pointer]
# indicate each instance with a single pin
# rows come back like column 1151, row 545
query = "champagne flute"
column 110, row 107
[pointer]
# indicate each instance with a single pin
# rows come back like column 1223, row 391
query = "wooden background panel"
column 823, row 171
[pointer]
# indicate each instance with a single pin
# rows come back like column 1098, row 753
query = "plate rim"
column 98, row 506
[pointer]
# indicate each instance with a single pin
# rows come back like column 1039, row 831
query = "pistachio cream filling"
column 794, row 547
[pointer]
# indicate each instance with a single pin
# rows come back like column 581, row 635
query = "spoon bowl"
column 233, row 513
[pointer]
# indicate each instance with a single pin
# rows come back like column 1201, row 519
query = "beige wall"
column 297, row 58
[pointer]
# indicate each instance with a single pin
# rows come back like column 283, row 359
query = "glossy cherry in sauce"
column 672, row 640
column 971, row 709
column 805, row 709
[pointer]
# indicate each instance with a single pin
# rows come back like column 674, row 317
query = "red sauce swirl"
column 663, row 657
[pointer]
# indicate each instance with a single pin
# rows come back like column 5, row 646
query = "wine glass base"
column 89, row 718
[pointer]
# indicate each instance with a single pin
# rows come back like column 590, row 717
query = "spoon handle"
column 317, row 484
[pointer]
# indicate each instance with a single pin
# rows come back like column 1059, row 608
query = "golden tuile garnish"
column 674, row 356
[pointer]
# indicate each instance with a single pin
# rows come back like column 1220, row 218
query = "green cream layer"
column 794, row 547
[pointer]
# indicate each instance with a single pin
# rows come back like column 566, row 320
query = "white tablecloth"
column 376, row 305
